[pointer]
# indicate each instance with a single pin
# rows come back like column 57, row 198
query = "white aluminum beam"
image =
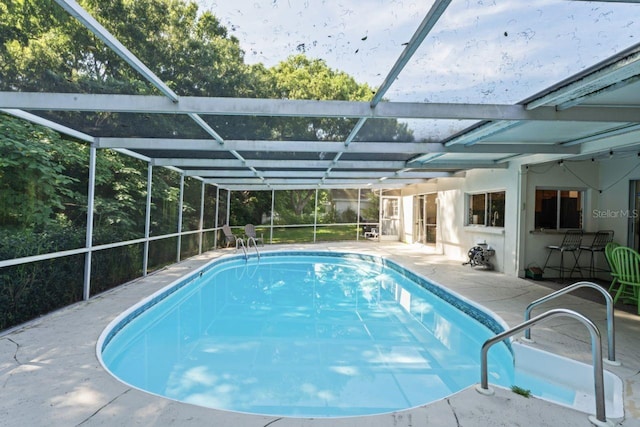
column 483, row 131
column 427, row 158
column 436, row 11
column 204, row 125
column 278, row 164
column 267, row 146
column 48, row 123
column 585, row 98
column 237, row 181
column 390, row 147
column 209, row 174
column 376, row 185
column 220, row 173
column 456, row 165
column 308, row 108
column 616, row 72
column 147, row 221
column 338, row 174
column 622, row 130
column 310, row 183
column 322, row 164
column 66, row 130
column 179, row 222
column 86, row 288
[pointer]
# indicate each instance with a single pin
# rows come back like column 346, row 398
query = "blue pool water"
column 307, row 334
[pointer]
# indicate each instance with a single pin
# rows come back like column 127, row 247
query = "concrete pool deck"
column 50, row 375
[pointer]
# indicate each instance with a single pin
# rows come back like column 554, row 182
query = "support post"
column 215, row 223
column 86, row 293
column 147, row 221
column 228, row 205
column 201, row 223
column 358, row 217
column 273, row 202
column 315, row 217
column 180, row 204
column 379, row 214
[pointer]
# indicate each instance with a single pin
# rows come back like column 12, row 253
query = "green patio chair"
column 608, row 249
column 627, row 264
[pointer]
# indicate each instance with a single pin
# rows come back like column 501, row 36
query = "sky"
column 481, row 51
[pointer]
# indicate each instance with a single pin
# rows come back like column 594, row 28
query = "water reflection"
column 305, row 338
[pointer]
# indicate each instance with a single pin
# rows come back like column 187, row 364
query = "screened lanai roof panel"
column 182, row 154
column 399, row 156
column 477, row 52
column 503, row 52
column 289, row 155
column 470, row 157
column 432, row 130
column 243, row 127
column 348, row 36
column 550, row 133
column 384, row 130
column 133, row 125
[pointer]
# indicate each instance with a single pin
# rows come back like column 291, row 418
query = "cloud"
column 479, row 51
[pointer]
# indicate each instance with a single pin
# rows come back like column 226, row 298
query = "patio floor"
column 50, row 375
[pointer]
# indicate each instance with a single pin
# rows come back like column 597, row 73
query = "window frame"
column 558, row 218
column 486, row 214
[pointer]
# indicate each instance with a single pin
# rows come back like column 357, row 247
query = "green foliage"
column 348, row 215
column 120, row 197
column 372, row 211
column 248, row 207
column 34, row 183
column 44, row 176
column 521, row 391
column 29, row 290
column 294, row 206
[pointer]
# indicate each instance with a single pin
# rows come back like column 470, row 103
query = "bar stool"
column 570, row 243
column 598, row 244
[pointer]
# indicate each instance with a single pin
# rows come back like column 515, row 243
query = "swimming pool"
column 309, row 334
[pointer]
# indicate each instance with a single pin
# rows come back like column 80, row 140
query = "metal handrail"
column 240, row 242
column 255, row 245
column 611, row 341
column 596, row 355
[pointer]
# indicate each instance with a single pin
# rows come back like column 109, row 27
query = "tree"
column 248, row 207
column 34, row 182
column 43, row 48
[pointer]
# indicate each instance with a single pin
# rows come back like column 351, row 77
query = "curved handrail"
column 611, row 340
column 255, row 245
column 240, row 242
column 596, row 354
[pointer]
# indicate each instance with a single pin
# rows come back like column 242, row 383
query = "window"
column 558, row 209
column 486, row 209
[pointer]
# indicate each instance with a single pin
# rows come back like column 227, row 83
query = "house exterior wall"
column 613, row 212
column 555, row 175
column 606, row 206
column 454, row 237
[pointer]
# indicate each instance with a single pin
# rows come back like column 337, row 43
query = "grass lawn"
column 305, row 234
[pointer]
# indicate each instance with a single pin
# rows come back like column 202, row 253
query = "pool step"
column 564, row 381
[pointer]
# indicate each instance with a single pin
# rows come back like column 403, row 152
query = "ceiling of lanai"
column 480, row 84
